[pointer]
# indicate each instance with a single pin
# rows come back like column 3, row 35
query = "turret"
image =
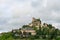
column 33, row 19
column 35, row 23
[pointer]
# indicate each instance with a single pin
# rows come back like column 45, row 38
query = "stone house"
column 28, row 31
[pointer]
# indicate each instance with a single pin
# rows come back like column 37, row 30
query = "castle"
column 35, row 23
column 29, row 29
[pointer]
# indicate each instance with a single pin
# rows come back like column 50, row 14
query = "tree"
column 24, row 26
column 50, row 26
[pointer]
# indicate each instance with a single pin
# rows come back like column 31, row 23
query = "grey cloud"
column 48, row 14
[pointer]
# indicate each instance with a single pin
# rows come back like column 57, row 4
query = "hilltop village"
column 34, row 30
column 31, row 28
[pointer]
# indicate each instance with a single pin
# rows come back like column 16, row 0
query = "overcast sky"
column 15, row 13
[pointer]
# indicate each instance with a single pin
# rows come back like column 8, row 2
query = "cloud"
column 15, row 13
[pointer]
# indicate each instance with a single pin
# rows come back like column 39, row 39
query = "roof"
column 27, row 28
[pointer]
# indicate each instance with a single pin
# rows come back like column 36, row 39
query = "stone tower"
column 35, row 23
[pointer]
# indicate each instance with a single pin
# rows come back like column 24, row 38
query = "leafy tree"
column 50, row 26
column 24, row 26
